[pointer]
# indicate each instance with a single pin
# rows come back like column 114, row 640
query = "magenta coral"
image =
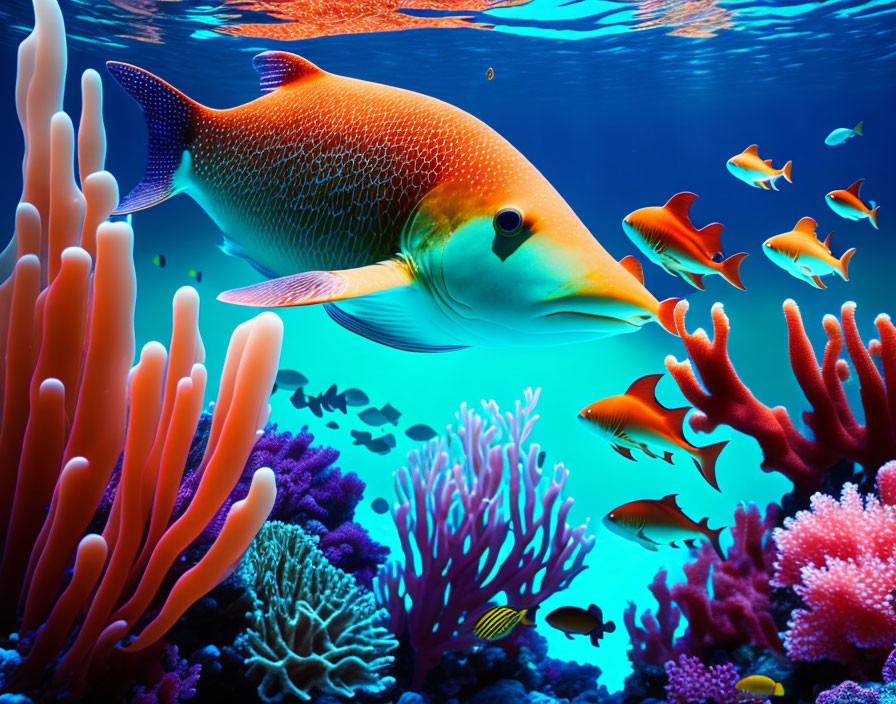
column 477, row 528
column 726, row 603
column 840, row 558
column 723, row 399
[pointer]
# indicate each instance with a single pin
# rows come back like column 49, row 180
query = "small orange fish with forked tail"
column 651, row 522
column 668, row 238
column 847, row 203
column 636, row 421
column 801, row 254
column 754, row 171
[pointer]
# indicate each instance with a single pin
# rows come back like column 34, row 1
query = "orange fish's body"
column 668, row 238
column 801, row 254
column 651, row 522
column 415, row 223
column 847, row 203
column 636, row 421
column 752, row 170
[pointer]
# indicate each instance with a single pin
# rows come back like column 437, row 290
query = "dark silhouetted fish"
column 372, row 416
column 420, row 433
column 333, row 400
column 333, row 425
column 315, row 405
column 573, row 620
column 379, row 505
column 298, row 399
column 360, row 437
column 355, row 397
column 391, row 414
column 291, row 379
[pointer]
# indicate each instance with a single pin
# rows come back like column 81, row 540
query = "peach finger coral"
column 73, row 407
column 721, row 398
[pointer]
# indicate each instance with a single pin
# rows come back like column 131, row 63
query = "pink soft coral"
column 840, row 558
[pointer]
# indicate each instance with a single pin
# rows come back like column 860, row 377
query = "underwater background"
column 620, row 104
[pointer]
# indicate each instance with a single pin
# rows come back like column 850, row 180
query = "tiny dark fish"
column 159, row 260
column 333, row 425
column 378, row 446
column 573, row 620
column 315, row 405
column 540, row 460
column 195, row 274
column 379, row 505
column 490, row 74
column 420, row 433
column 372, row 416
column 360, row 437
column 391, row 414
column 333, row 400
column 298, row 399
column 499, row 621
column 291, row 379
column 355, row 397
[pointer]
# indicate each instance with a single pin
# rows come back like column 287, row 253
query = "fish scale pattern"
column 327, row 170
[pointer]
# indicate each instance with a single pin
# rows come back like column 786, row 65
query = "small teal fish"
column 499, row 621
column 841, row 134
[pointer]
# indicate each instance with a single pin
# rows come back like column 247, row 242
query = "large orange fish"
column 668, row 238
column 415, row 223
column 750, row 168
column 847, row 203
column 651, row 522
column 636, row 421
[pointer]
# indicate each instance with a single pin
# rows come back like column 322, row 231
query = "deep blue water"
column 616, row 119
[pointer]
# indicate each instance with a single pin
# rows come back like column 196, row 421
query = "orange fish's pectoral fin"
column 625, row 452
column 279, row 68
column 695, row 280
column 763, row 185
column 311, row 287
column 680, row 205
column 647, row 451
column 818, row 282
column 633, row 267
column 646, row 542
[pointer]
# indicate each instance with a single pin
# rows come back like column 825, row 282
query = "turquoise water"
column 617, row 115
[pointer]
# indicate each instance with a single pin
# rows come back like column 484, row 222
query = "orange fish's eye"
column 508, row 221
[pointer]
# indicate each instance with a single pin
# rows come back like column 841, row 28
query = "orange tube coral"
column 71, row 400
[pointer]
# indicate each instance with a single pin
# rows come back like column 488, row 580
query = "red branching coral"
column 723, row 399
column 840, row 558
column 73, row 405
column 735, row 611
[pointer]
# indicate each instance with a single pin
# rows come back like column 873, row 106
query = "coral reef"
column 723, row 399
column 840, row 558
column 850, row 692
column 72, row 406
column 692, row 682
column 313, row 629
column 465, row 543
column 726, row 602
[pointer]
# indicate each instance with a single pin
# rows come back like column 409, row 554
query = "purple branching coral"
column 726, row 603
column 476, row 522
column 692, row 682
column 311, row 492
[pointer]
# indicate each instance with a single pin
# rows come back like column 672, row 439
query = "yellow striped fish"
column 497, row 622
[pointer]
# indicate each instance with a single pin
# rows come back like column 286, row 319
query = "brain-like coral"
column 313, row 630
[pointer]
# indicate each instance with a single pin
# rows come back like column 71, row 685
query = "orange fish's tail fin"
column 730, row 269
column 712, row 535
column 786, row 171
column 844, row 263
column 170, row 120
column 706, row 462
column 873, row 214
column 666, row 314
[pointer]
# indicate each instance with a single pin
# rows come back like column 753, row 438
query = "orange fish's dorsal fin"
column 752, row 149
column 680, row 204
column 854, row 188
column 670, row 500
column 633, row 267
column 277, row 68
column 767, row 162
column 645, row 389
column 806, row 226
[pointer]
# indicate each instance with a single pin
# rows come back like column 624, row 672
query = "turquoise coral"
column 313, row 629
